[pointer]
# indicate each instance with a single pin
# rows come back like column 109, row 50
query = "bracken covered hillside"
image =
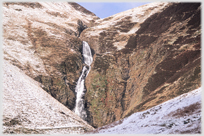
column 141, row 57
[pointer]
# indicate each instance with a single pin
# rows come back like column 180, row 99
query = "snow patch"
column 120, row 45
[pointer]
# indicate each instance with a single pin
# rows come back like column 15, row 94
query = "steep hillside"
column 181, row 115
column 142, row 57
column 27, row 108
column 42, row 39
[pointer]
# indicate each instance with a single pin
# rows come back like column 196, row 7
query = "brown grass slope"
column 135, row 71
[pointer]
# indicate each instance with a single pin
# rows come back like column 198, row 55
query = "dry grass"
column 22, row 130
column 57, row 14
column 106, row 127
column 186, row 111
column 25, row 4
column 192, row 131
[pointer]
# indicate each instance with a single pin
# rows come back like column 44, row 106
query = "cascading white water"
column 87, row 54
column 80, row 87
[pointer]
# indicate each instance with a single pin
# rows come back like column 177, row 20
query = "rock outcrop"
column 141, row 57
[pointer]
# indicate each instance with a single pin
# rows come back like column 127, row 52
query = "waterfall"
column 80, row 87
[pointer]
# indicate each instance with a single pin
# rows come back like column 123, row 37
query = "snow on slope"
column 30, row 107
column 179, row 115
column 137, row 15
column 20, row 21
column 66, row 9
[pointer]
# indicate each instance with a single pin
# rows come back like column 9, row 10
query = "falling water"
column 80, row 87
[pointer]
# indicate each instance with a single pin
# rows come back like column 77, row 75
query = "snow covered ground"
column 20, row 21
column 179, row 115
column 27, row 106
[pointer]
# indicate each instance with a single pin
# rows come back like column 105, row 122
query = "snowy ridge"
column 179, row 115
column 138, row 15
column 33, row 108
column 65, row 8
column 115, row 22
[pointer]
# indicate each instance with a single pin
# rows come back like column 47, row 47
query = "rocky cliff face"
column 141, row 57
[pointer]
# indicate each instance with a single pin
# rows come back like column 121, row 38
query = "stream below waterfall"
column 80, row 87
